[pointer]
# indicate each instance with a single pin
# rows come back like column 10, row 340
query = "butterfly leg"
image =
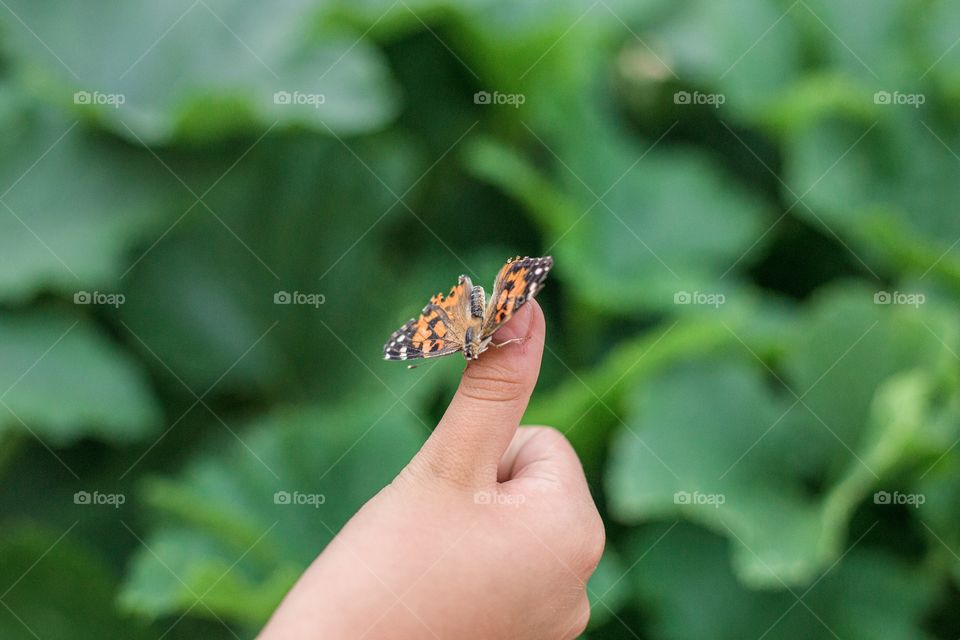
column 511, row 341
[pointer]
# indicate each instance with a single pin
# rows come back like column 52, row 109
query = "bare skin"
column 489, row 532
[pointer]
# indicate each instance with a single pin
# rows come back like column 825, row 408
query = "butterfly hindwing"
column 518, row 281
column 438, row 331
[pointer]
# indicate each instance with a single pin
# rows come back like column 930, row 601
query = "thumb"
column 485, row 412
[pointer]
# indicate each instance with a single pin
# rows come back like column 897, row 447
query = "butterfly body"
column 464, row 320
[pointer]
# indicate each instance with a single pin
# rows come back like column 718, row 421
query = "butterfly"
column 463, row 320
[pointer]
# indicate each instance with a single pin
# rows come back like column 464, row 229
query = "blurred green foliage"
column 753, row 323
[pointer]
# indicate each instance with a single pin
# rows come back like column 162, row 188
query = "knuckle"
column 581, row 618
column 554, row 437
column 589, row 545
column 597, row 542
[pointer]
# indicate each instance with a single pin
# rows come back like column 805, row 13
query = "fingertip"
column 514, row 366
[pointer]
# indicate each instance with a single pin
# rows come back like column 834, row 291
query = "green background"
column 753, row 327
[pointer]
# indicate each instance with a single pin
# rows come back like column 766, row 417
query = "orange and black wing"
column 437, row 332
column 518, row 281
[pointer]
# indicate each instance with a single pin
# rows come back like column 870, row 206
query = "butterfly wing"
column 438, row 331
column 518, row 281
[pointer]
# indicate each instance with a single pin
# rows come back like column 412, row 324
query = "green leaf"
column 884, row 186
column 61, row 379
column 818, row 96
column 748, row 51
column 709, row 441
column 242, row 523
column 937, row 42
column 672, row 224
column 74, row 237
column 849, row 342
column 213, row 279
column 202, row 70
column 693, row 447
column 939, row 487
column 56, row 589
column 685, row 584
column 586, row 407
column 863, row 39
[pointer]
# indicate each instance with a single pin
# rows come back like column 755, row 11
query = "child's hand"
column 489, row 532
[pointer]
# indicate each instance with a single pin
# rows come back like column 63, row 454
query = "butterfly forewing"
column 518, row 281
